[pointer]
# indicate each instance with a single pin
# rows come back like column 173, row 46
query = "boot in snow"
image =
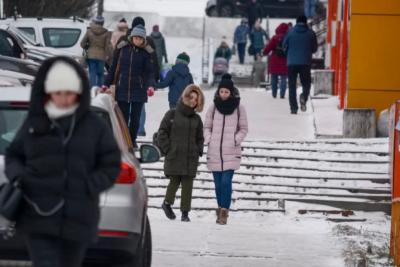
column 185, row 216
column 224, row 216
column 168, row 211
column 303, row 104
column 218, row 212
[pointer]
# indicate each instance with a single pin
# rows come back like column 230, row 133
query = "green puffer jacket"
column 180, row 136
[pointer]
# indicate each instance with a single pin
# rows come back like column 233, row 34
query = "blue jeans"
column 172, row 106
column 142, row 131
column 223, row 188
column 241, row 48
column 274, row 84
column 96, row 72
column 309, row 8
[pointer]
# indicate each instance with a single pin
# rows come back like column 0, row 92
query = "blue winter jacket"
column 132, row 73
column 258, row 38
column 178, row 78
column 301, row 43
column 241, row 34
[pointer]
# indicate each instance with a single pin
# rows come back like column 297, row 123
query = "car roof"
column 23, row 94
column 15, row 75
column 50, row 22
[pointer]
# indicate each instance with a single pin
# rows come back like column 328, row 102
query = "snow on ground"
column 269, row 239
column 328, row 118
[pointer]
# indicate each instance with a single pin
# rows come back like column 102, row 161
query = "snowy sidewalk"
column 250, row 239
column 269, row 119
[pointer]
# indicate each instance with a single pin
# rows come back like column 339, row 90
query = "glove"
column 150, row 91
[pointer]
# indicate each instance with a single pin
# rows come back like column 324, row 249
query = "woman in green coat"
column 180, row 138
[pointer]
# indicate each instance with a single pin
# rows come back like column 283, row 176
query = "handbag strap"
column 40, row 211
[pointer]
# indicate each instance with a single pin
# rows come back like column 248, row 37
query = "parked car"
column 270, row 8
column 10, row 45
column 12, row 79
column 125, row 234
column 65, row 34
column 24, row 66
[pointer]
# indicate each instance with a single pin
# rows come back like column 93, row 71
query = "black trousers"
column 48, row 251
column 132, row 112
column 305, row 78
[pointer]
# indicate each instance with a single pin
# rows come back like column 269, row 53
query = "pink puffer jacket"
column 224, row 134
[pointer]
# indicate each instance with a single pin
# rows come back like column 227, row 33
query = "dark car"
column 269, row 8
column 10, row 45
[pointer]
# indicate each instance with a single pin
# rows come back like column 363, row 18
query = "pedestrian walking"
column 64, row 156
column 277, row 61
column 225, row 128
column 97, row 44
column 122, row 29
column 159, row 42
column 223, row 51
column 132, row 74
column 258, row 39
column 254, row 13
column 180, row 138
column 240, row 39
column 178, row 78
column 300, row 43
column 258, row 71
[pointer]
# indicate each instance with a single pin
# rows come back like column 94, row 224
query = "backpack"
column 280, row 50
column 155, row 135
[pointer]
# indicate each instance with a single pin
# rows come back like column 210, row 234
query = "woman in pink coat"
column 224, row 130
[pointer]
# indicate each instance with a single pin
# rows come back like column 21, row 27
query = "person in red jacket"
column 277, row 62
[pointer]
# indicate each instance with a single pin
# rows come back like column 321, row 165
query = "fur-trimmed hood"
column 185, row 98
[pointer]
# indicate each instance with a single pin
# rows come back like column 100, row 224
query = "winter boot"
column 218, row 212
column 303, row 103
column 224, row 216
column 185, row 216
column 168, row 211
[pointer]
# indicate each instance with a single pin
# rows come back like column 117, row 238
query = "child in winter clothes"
column 180, row 137
column 225, row 128
column 177, row 79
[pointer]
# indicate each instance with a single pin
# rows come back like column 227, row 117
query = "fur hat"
column 226, row 82
column 139, row 31
column 62, row 77
column 186, row 97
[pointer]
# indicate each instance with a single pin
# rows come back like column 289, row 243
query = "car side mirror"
column 149, row 154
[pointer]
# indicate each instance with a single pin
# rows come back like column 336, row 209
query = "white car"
column 65, row 34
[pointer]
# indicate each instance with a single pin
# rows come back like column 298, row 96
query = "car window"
column 60, row 38
column 6, row 44
column 11, row 119
column 30, row 32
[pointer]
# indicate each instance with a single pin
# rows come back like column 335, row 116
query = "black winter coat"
column 132, row 72
column 181, row 138
column 69, row 160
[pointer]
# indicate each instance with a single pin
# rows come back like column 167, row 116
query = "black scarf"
column 228, row 106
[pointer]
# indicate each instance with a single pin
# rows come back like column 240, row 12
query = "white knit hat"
column 62, row 77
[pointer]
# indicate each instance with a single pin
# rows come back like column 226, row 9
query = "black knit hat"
column 226, row 82
column 301, row 19
column 138, row 21
column 183, row 57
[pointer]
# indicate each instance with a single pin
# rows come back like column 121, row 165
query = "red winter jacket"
column 277, row 64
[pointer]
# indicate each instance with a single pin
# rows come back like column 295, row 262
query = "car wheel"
column 226, row 11
column 212, row 12
column 144, row 252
